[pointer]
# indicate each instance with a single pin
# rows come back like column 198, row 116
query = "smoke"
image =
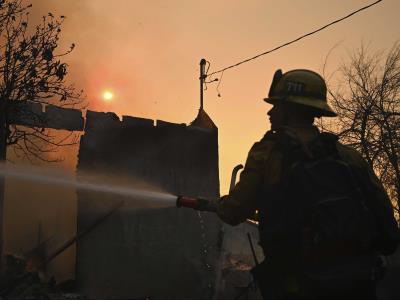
column 117, row 47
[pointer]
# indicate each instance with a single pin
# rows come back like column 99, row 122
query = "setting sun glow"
column 108, row 96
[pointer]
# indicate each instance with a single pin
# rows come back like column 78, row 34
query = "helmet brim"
column 321, row 105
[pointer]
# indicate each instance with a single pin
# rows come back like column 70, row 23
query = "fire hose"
column 202, row 204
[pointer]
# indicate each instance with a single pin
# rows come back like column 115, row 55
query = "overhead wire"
column 294, row 41
column 205, row 82
column 219, row 83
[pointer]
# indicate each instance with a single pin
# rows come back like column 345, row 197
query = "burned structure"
column 163, row 253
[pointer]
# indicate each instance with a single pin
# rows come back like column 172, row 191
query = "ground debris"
column 18, row 283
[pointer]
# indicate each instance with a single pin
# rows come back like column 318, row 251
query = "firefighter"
column 298, row 97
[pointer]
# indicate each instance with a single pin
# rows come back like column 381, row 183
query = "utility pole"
column 202, row 79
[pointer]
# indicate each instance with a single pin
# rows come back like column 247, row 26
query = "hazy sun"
column 108, row 95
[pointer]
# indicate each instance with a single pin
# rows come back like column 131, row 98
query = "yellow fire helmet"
column 303, row 87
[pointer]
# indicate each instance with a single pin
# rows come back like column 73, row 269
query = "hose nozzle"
column 196, row 203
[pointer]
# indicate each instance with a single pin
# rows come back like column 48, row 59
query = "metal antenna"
column 202, row 78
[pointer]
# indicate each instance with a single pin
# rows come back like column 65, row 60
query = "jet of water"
column 53, row 178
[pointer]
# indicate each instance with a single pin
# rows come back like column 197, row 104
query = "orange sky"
column 148, row 53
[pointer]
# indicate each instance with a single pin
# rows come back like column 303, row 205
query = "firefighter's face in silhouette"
column 277, row 116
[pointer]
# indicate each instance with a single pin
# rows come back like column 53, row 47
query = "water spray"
column 148, row 197
column 54, row 178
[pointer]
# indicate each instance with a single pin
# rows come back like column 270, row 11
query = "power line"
column 295, row 40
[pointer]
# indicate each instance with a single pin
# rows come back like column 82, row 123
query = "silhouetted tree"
column 367, row 100
column 31, row 71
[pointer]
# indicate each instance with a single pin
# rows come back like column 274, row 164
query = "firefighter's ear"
column 277, row 77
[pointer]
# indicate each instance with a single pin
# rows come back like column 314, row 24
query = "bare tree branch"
column 31, row 69
column 367, row 101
